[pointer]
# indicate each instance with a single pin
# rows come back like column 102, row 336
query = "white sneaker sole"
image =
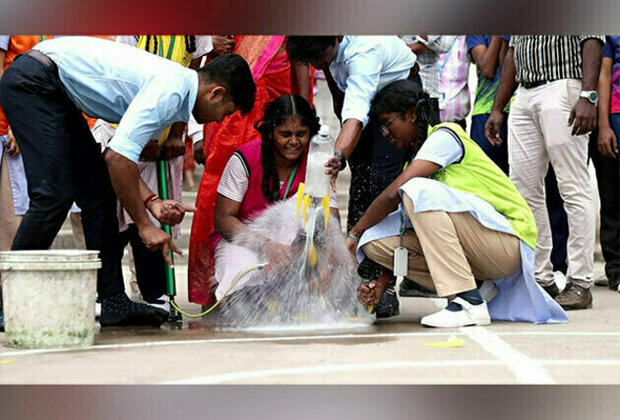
column 470, row 316
column 472, row 323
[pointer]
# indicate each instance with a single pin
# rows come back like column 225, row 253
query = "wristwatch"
column 590, row 95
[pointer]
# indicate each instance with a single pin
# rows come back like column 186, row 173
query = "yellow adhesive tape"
column 307, row 201
column 312, row 257
column 300, row 196
column 452, row 341
column 325, row 205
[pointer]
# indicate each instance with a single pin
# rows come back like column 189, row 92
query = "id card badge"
column 400, row 261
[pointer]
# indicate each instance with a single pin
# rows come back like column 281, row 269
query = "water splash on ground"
column 291, row 293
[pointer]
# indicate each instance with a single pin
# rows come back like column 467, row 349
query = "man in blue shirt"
column 356, row 67
column 606, row 159
column 44, row 94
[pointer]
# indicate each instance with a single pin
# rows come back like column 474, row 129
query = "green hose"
column 216, row 304
column 162, row 178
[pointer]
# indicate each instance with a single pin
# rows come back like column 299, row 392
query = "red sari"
column 271, row 71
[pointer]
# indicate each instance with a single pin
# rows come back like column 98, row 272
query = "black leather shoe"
column 574, row 297
column 552, row 290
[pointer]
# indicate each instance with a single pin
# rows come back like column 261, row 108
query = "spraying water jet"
column 311, row 282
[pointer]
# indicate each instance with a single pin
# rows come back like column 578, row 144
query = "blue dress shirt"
column 121, row 84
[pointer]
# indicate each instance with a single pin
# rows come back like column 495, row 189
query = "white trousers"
column 538, row 133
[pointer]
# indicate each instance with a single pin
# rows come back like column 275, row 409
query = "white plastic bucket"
column 49, row 297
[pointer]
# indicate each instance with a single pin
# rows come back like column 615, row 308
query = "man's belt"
column 532, row 85
column 41, row 58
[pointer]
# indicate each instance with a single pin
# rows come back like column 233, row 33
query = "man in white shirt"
column 356, row 67
column 61, row 79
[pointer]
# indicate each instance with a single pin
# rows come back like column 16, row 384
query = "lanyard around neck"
column 290, row 180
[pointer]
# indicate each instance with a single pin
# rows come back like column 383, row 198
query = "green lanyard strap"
column 290, row 180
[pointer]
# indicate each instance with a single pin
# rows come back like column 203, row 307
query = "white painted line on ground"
column 352, row 367
column 581, row 362
column 317, row 370
column 526, row 370
column 226, row 341
column 299, row 338
column 562, row 333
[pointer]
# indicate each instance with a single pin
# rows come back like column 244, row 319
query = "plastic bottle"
column 321, row 150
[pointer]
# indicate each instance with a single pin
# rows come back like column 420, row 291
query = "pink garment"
column 454, row 96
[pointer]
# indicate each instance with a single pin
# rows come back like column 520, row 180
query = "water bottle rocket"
column 316, row 190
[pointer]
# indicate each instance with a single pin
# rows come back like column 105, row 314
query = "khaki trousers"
column 538, row 133
column 449, row 251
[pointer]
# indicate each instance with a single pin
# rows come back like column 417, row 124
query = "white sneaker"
column 488, row 290
column 469, row 315
column 162, row 302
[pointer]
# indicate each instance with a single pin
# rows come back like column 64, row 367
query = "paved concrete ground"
column 584, row 351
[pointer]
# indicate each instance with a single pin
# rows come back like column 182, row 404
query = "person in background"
column 454, row 96
column 604, row 152
column 427, row 49
column 194, row 153
column 554, row 110
column 488, row 52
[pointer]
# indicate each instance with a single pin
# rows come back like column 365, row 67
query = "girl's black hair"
column 400, row 97
column 276, row 113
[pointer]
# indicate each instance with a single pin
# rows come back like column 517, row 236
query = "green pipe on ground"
column 162, row 178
